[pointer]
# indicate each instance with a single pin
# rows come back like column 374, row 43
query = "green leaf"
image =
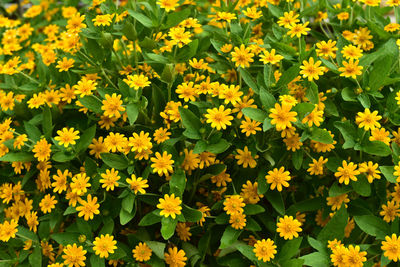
column 252, row 209
column 321, row 135
column 116, row 161
column 376, row 148
column 125, row 216
column 289, row 249
column 168, row 226
column 91, row 103
column 128, row 202
column 255, row 114
column 364, row 100
column 246, row 250
column 63, row 156
column 306, row 205
column 348, row 132
column 47, row 122
column 86, row 139
column 303, row 109
column 150, row 218
column 97, row 261
column 132, row 111
column 312, row 93
column 177, row 183
column 388, row 171
column 35, row 259
column 17, row 156
column 267, row 99
column 143, row 19
column 157, row 247
column 65, row 238
column 191, row 122
column 315, row 259
column 297, row 159
column 190, row 214
column 372, row 225
column 174, row 18
column 229, row 237
column 275, row 10
column 362, row 186
column 249, row 80
column 288, row 75
column 32, row 131
column 335, row 227
column 268, row 76
column 219, row 147
column 156, row 58
column 276, row 200
column 168, row 73
column 25, row 234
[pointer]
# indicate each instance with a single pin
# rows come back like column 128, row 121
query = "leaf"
column 229, row 237
column 177, row 183
column 32, row 131
column 297, row 159
column 143, row 19
column 65, row 238
column 321, row 135
column 267, row 99
column 17, row 156
column 335, row 227
column 63, row 156
column 246, row 250
column 128, row 202
column 268, row 76
column 312, row 93
column 315, row 259
column 288, row 75
column 97, row 261
column 168, row 226
column 92, row 103
column 255, row 114
column 249, row 80
column 150, row 218
column 362, row 186
column 86, row 139
column 190, row 214
column 289, row 249
column 35, row 259
column 219, row 147
column 132, row 110
column 306, row 205
column 47, row 122
column 114, row 160
column 252, row 209
column 348, row 132
column 372, row 225
column 125, row 216
column 276, row 200
column 191, row 122
column 377, row 148
column 174, row 18
column 364, row 100
column 157, row 247
column 388, row 171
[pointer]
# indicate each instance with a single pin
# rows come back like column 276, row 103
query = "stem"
column 108, row 79
column 118, row 58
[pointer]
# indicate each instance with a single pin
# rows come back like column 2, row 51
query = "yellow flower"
column 249, row 126
column 48, row 203
column 137, row 81
column 80, row 183
column 219, row 117
column 317, row 166
column 380, row 135
column 42, row 150
column 287, row 227
column 187, row 92
column 110, row 179
column 315, row 117
column 242, row 56
column 137, row 184
column 271, row 57
column 278, row 178
column 60, row 181
column 231, row 94
column 371, row 170
column 326, row 49
column 354, row 257
column 282, row 117
column 65, row 64
column 347, row 172
column 337, row 201
column 390, row 211
column 245, row 158
column 351, row 52
column 74, row 255
column 102, row 20
column 84, row 87
column 250, row 194
column 175, row 258
column 67, row 136
column 293, row 142
column 142, row 252
column 237, row 220
column 350, row 69
column 161, row 135
column 88, row 208
column 368, row 120
column 104, row 245
column 112, row 106
column 234, row 204
column 298, row 29
column 183, row 231
column 226, row 16
column 168, row 5
column 338, row 256
column 391, row 247
column 289, row 19
column 170, row 206
column 162, row 164
column 140, row 142
column 265, row 250
column 179, row 36
column 311, row 70
column 8, row 230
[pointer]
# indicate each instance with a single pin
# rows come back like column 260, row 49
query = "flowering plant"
column 202, row 133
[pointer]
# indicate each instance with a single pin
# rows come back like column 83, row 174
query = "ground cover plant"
column 199, row 133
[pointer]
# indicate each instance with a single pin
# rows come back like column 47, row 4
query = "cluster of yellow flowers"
column 203, row 133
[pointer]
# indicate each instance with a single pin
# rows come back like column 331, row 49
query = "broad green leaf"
column 128, row 202
column 116, row 161
column 372, row 225
column 143, row 19
column 157, row 247
column 177, row 183
column 289, row 249
column 190, row 214
column 288, row 75
column 252, row 209
column 312, row 93
column 255, row 114
column 267, row 99
column 229, row 237
column 246, row 76
column 47, row 122
column 335, row 227
column 276, row 200
column 168, row 227
column 17, row 156
column 35, row 259
column 132, row 110
column 150, row 218
column 388, row 171
column 376, row 148
column 348, row 132
column 191, row 122
column 95, row 260
column 92, row 103
column 321, row 135
column 86, row 139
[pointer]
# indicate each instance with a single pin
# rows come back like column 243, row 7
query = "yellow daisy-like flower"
column 104, row 245
column 65, row 64
column 219, row 117
column 42, row 150
column 354, row 257
column 311, row 70
column 137, row 184
column 88, row 207
column 298, row 29
column 371, row 170
column 234, row 204
column 350, row 69
column 162, row 164
column 142, row 252
column 74, row 255
column 112, row 106
column 245, row 158
column 110, row 179
column 282, row 117
column 278, row 178
column 137, row 81
column 288, row 228
column 347, row 172
column 67, row 136
column 8, row 229
column 168, row 5
column 242, row 56
column 265, row 250
column 368, row 120
column 170, row 206
column 175, row 258
column 48, row 203
column 271, row 57
column 391, row 247
column 102, row 20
